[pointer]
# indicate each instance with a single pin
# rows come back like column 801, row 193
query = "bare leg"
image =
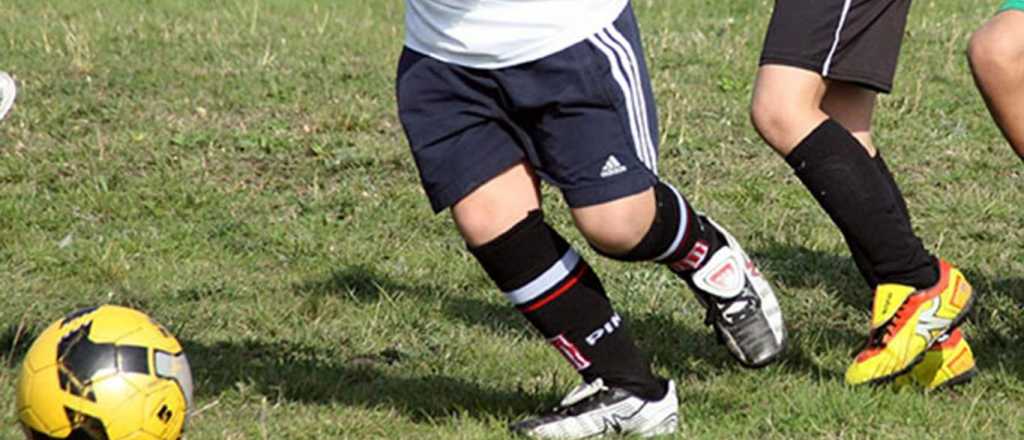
column 497, row 205
column 830, row 122
column 617, row 226
column 786, row 105
column 852, row 106
column 996, row 54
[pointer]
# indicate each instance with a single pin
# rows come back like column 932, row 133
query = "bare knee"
column 614, row 237
column 993, row 51
column 769, row 120
column 497, row 205
column 616, row 227
column 481, row 225
column 782, row 124
column 786, row 105
column 987, row 53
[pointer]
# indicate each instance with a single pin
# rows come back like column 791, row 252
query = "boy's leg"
column 839, row 171
column 558, row 292
column 497, row 205
column 549, row 282
column 853, row 107
column 803, row 109
column 597, row 139
column 470, row 155
column 996, row 53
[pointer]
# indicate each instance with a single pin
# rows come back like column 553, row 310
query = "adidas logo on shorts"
column 612, row 167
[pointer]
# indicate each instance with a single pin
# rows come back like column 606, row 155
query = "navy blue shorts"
column 584, row 118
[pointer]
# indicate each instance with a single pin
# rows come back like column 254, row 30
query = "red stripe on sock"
column 569, row 282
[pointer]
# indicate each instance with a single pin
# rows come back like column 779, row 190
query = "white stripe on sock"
column 546, row 281
column 684, row 222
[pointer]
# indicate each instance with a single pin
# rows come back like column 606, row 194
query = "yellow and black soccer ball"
column 104, row 373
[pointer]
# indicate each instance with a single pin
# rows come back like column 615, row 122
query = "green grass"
column 236, row 169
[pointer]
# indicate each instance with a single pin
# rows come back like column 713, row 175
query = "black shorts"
column 856, row 41
column 584, row 118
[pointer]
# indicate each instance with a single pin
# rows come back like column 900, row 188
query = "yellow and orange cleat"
column 906, row 322
column 949, row 362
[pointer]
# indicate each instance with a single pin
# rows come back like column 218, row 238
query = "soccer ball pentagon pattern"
column 104, row 373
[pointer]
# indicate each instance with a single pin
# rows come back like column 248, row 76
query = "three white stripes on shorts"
column 626, row 73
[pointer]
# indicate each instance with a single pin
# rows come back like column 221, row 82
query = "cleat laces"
column 732, row 310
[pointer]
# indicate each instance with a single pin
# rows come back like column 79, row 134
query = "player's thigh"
column 597, row 140
column 462, row 141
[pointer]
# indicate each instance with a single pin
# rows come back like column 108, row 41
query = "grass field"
column 236, row 169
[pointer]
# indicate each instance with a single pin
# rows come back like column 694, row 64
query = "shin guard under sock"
column 859, row 255
column 563, row 298
column 678, row 237
column 850, row 187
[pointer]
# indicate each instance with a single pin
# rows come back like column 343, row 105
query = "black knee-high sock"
column 563, row 298
column 901, row 202
column 852, row 189
column 678, row 237
column 859, row 255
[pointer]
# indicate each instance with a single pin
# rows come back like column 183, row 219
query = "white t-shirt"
column 490, row 34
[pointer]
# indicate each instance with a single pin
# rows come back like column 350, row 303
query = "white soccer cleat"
column 740, row 303
column 7, row 92
column 594, row 410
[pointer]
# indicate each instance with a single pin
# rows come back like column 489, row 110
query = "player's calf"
column 561, row 296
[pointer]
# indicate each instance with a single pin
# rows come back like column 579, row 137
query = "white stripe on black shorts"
column 856, row 41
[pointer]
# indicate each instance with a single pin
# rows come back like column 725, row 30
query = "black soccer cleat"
column 740, row 304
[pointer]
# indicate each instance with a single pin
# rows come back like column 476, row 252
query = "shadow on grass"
column 995, row 328
column 797, row 266
column 685, row 350
column 302, row 373
column 667, row 341
column 674, row 345
column 359, row 282
column 15, row 340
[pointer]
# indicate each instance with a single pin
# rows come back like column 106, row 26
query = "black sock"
column 563, row 298
column 860, row 259
column 678, row 237
column 859, row 255
column 848, row 184
column 901, row 202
